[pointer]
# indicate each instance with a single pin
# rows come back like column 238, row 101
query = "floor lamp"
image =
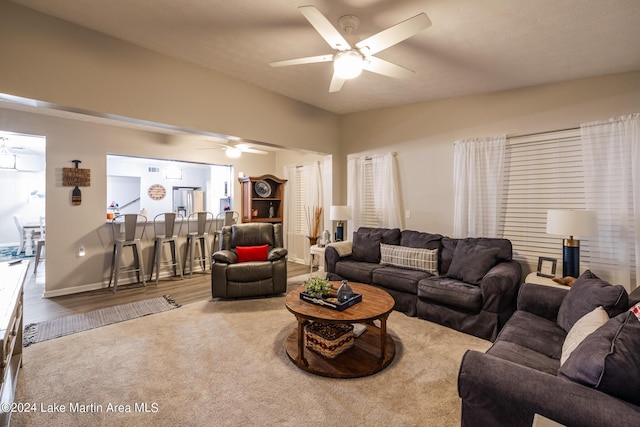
column 569, row 222
column 340, row 213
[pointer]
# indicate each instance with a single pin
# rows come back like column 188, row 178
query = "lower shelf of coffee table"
column 361, row 360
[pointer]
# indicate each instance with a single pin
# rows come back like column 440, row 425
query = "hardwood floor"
column 38, row 309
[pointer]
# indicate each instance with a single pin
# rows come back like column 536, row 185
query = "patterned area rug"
column 8, row 253
column 74, row 323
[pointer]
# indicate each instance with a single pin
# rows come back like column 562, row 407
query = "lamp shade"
column 570, row 222
column 340, row 213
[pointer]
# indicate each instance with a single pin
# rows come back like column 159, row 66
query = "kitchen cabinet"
column 11, row 324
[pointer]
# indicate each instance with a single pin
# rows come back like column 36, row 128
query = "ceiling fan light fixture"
column 233, row 152
column 348, row 64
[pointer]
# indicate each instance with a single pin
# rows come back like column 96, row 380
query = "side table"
column 314, row 251
column 541, row 280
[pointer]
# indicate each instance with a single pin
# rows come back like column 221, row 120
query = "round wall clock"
column 157, row 192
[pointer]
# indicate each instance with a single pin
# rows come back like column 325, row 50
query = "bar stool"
column 130, row 237
column 199, row 228
column 223, row 219
column 164, row 235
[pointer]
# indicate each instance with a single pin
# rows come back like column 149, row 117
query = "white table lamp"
column 572, row 223
column 340, row 213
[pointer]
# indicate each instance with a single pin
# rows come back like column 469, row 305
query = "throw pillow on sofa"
column 582, row 329
column 411, row 258
column 587, row 293
column 471, row 262
column 609, row 359
column 366, row 243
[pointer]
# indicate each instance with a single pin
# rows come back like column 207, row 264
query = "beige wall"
column 51, row 60
column 47, row 59
column 69, row 226
column 423, row 134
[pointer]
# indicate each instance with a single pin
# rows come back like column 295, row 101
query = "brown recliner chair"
column 233, row 279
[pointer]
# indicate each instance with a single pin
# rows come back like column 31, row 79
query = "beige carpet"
column 223, row 363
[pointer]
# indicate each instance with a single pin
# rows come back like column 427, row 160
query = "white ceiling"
column 473, row 46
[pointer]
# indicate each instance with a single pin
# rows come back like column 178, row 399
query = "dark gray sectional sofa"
column 521, row 374
column 466, row 284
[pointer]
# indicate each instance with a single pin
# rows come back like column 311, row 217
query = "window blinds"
column 542, row 171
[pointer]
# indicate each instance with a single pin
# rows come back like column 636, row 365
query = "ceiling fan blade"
column 253, row 151
column 386, row 68
column 336, row 83
column 322, row 25
column 245, row 148
column 394, row 35
column 298, row 61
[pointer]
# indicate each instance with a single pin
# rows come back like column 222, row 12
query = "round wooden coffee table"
column 371, row 352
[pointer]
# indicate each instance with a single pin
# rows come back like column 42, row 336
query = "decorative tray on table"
column 331, row 302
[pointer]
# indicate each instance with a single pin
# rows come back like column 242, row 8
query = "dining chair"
column 27, row 234
column 40, row 245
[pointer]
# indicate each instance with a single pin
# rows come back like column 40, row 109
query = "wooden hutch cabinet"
column 262, row 198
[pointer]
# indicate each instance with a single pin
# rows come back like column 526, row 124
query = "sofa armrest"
column 225, row 256
column 277, row 253
column 496, row 392
column 500, row 286
column 541, row 300
column 333, row 252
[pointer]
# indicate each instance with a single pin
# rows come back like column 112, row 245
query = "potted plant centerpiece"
column 317, row 286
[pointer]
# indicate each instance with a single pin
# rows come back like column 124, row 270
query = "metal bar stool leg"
column 137, row 255
column 158, row 260
column 154, row 254
column 117, row 253
column 175, row 256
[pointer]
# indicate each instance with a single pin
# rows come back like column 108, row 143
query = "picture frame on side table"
column 547, row 267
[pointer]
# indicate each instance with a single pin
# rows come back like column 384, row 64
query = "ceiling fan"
column 349, row 61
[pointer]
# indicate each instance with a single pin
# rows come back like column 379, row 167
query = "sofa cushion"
column 411, row 258
column 249, row 272
column 587, row 293
column 449, row 246
column 524, row 356
column 252, row 253
column 536, row 333
column 471, row 262
column 399, row 279
column 451, row 292
column 419, row 239
column 609, row 359
column 366, row 242
column 584, row 327
column 356, row 271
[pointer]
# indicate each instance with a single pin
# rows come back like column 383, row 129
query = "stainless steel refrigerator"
column 187, row 200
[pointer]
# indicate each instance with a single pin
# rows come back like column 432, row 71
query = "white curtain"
column 478, row 171
column 373, row 191
column 611, row 152
column 304, row 190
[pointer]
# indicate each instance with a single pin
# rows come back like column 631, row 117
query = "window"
column 373, row 191
column 542, row 171
column 301, row 202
